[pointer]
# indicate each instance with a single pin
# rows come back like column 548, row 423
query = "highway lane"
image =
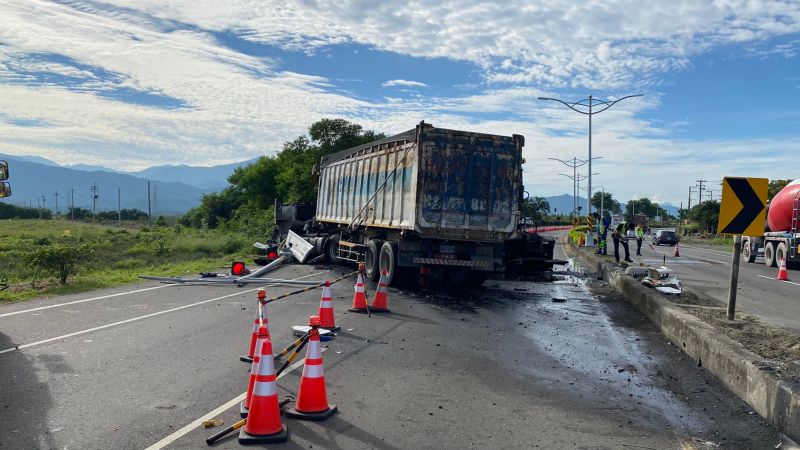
column 502, row 367
column 708, row 271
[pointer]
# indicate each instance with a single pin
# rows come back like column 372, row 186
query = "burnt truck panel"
column 438, row 183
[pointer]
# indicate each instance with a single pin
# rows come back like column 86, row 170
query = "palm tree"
column 536, row 207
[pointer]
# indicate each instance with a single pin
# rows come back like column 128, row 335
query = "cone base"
column 378, row 310
column 358, row 310
column 243, row 410
column 256, row 439
column 247, row 359
column 315, row 416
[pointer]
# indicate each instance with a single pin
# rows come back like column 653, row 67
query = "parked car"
column 668, row 237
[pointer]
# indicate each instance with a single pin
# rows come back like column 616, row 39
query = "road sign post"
column 742, row 212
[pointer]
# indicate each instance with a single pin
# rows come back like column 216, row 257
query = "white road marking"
column 770, row 278
column 701, row 249
column 118, row 294
column 230, row 404
column 134, row 319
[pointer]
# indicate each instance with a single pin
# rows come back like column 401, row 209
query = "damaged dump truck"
column 444, row 200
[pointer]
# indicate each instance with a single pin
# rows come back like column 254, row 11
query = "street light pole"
column 574, row 163
column 579, row 107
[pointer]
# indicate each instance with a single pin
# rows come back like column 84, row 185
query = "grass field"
column 116, row 255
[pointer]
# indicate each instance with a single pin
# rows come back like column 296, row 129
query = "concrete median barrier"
column 743, row 372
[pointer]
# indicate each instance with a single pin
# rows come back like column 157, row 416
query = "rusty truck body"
column 430, row 197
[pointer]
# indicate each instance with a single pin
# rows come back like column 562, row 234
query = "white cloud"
column 406, row 83
column 234, row 106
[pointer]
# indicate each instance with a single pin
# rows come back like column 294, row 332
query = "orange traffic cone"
column 360, row 297
column 677, row 250
column 263, row 335
column 312, row 400
column 783, row 275
column 261, row 316
column 380, row 301
column 263, row 424
column 326, row 308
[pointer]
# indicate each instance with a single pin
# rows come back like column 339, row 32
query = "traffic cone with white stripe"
column 380, row 300
column 677, row 250
column 326, row 309
column 312, row 399
column 783, row 275
column 264, row 424
column 360, row 297
column 260, row 314
column 263, row 335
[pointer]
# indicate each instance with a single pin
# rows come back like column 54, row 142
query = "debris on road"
column 213, row 423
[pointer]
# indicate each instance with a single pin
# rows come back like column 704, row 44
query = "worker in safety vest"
column 602, row 234
column 639, row 238
column 619, row 235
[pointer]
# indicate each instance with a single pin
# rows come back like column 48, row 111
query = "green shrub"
column 61, row 259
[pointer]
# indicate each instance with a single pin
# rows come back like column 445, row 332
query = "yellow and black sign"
column 743, row 209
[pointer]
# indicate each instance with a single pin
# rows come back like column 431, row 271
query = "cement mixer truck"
column 782, row 236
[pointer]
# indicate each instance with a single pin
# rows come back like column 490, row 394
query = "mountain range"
column 173, row 189
column 562, row 204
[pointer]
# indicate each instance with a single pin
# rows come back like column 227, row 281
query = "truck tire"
column 748, row 251
column 372, row 259
column 331, row 249
column 769, row 255
column 780, row 253
column 388, row 262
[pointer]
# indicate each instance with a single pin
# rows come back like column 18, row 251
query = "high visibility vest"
column 639, row 232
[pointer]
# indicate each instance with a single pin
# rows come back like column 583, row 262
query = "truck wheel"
column 748, row 251
column 388, row 262
column 372, row 259
column 331, row 249
column 780, row 253
column 769, row 255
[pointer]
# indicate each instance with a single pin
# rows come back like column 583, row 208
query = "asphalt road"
column 708, row 271
column 500, row 367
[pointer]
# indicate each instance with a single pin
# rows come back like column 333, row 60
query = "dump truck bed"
column 436, row 182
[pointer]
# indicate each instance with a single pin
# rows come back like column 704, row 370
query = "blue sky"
column 129, row 85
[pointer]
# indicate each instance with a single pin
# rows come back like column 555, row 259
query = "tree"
column 706, row 215
column 63, row 259
column 608, row 202
column 775, row 186
column 640, row 206
column 288, row 176
column 536, row 208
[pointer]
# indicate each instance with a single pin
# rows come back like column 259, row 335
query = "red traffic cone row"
column 263, row 335
column 360, row 297
column 380, row 301
column 264, row 424
column 326, row 308
column 261, row 316
column 783, row 275
column 312, row 400
column 677, row 250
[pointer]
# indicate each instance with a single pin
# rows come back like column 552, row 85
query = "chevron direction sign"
column 743, row 209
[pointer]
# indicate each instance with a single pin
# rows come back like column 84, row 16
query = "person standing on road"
column 602, row 234
column 639, row 238
column 620, row 238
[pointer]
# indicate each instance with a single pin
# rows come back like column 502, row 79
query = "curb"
column 729, row 361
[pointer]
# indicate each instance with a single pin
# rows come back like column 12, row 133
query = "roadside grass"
column 722, row 243
column 118, row 255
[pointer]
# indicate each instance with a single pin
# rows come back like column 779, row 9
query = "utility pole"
column 149, row 213
column 94, row 190
column 39, row 206
column 581, row 107
column 574, row 163
column 44, row 202
column 700, row 191
column 55, row 194
column 72, row 204
column 155, row 198
column 119, row 207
